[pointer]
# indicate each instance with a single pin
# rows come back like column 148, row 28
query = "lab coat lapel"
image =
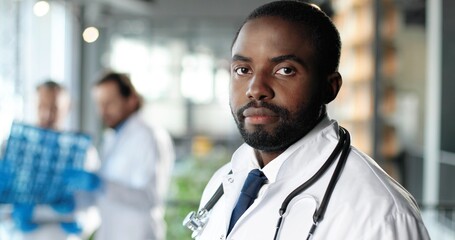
column 232, row 184
column 108, row 143
column 314, row 149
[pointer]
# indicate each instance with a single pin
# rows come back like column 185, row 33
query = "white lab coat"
column 136, row 166
column 366, row 204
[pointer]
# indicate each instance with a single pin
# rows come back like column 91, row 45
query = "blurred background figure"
column 62, row 220
column 53, row 105
column 137, row 160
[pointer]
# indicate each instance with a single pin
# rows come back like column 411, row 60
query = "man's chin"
column 280, row 147
column 261, row 140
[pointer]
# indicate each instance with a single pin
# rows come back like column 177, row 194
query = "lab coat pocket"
column 298, row 218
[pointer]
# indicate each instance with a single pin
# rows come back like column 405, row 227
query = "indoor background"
column 396, row 98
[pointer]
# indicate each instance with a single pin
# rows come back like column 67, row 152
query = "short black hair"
column 325, row 37
column 124, row 84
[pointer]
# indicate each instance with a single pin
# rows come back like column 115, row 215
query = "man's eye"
column 241, row 71
column 285, row 71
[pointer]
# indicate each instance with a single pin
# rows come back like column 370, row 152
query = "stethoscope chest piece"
column 196, row 221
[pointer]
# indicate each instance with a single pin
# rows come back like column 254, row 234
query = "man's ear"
column 334, row 82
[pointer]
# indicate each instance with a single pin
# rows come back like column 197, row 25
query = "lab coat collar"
column 274, row 169
column 119, row 126
column 125, row 123
column 111, row 136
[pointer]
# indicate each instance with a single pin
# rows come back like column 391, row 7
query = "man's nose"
column 260, row 88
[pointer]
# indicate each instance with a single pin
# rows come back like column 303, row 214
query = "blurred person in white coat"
column 53, row 105
column 310, row 182
column 137, row 160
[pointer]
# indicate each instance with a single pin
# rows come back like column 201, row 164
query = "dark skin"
column 273, row 63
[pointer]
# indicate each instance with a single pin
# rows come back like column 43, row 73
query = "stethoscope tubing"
column 343, row 147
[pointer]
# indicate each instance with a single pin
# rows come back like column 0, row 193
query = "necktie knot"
column 249, row 192
column 253, row 183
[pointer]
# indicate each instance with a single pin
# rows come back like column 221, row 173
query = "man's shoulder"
column 138, row 127
column 139, row 123
column 365, row 180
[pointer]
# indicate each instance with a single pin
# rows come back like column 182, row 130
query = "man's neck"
column 264, row 158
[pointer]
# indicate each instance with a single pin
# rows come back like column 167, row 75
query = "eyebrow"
column 277, row 59
column 237, row 57
column 290, row 57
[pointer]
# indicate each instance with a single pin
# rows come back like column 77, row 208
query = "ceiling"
column 231, row 9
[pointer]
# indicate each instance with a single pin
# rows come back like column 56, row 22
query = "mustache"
column 256, row 104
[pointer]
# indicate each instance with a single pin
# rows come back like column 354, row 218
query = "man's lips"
column 259, row 115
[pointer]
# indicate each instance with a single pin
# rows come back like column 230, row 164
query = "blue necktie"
column 249, row 192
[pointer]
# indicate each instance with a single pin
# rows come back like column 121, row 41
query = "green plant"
column 190, row 176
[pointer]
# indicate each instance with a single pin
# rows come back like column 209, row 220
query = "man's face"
column 53, row 107
column 112, row 106
column 274, row 95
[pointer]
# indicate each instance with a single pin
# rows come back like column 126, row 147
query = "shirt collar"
column 272, row 168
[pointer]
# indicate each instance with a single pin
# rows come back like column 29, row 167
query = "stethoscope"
column 197, row 221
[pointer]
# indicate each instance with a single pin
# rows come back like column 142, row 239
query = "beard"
column 290, row 128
